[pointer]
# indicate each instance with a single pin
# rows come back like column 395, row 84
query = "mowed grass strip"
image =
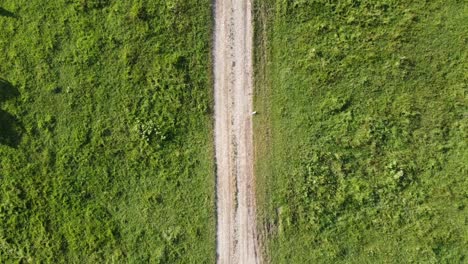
column 106, row 149
column 362, row 144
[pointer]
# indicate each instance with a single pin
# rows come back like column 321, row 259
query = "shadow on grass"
column 10, row 127
column 6, row 13
column 7, row 90
column 10, row 130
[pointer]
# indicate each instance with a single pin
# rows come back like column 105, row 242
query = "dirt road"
column 236, row 227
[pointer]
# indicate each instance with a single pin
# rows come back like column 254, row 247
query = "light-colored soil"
column 237, row 240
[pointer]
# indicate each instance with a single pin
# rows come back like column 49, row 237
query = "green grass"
column 362, row 130
column 105, row 140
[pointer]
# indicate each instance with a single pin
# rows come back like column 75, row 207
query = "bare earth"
column 236, row 228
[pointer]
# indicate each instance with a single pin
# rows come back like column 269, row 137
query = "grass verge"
column 106, row 150
column 361, row 137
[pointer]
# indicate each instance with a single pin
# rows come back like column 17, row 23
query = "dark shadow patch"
column 10, row 130
column 7, row 90
column 57, row 90
column 6, row 13
column 106, row 133
column 182, row 63
column 10, row 127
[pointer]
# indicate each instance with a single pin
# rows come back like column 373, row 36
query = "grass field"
column 362, row 130
column 105, row 137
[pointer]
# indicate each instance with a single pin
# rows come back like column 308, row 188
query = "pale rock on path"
column 237, row 240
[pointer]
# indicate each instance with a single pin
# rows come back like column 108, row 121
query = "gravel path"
column 237, row 240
